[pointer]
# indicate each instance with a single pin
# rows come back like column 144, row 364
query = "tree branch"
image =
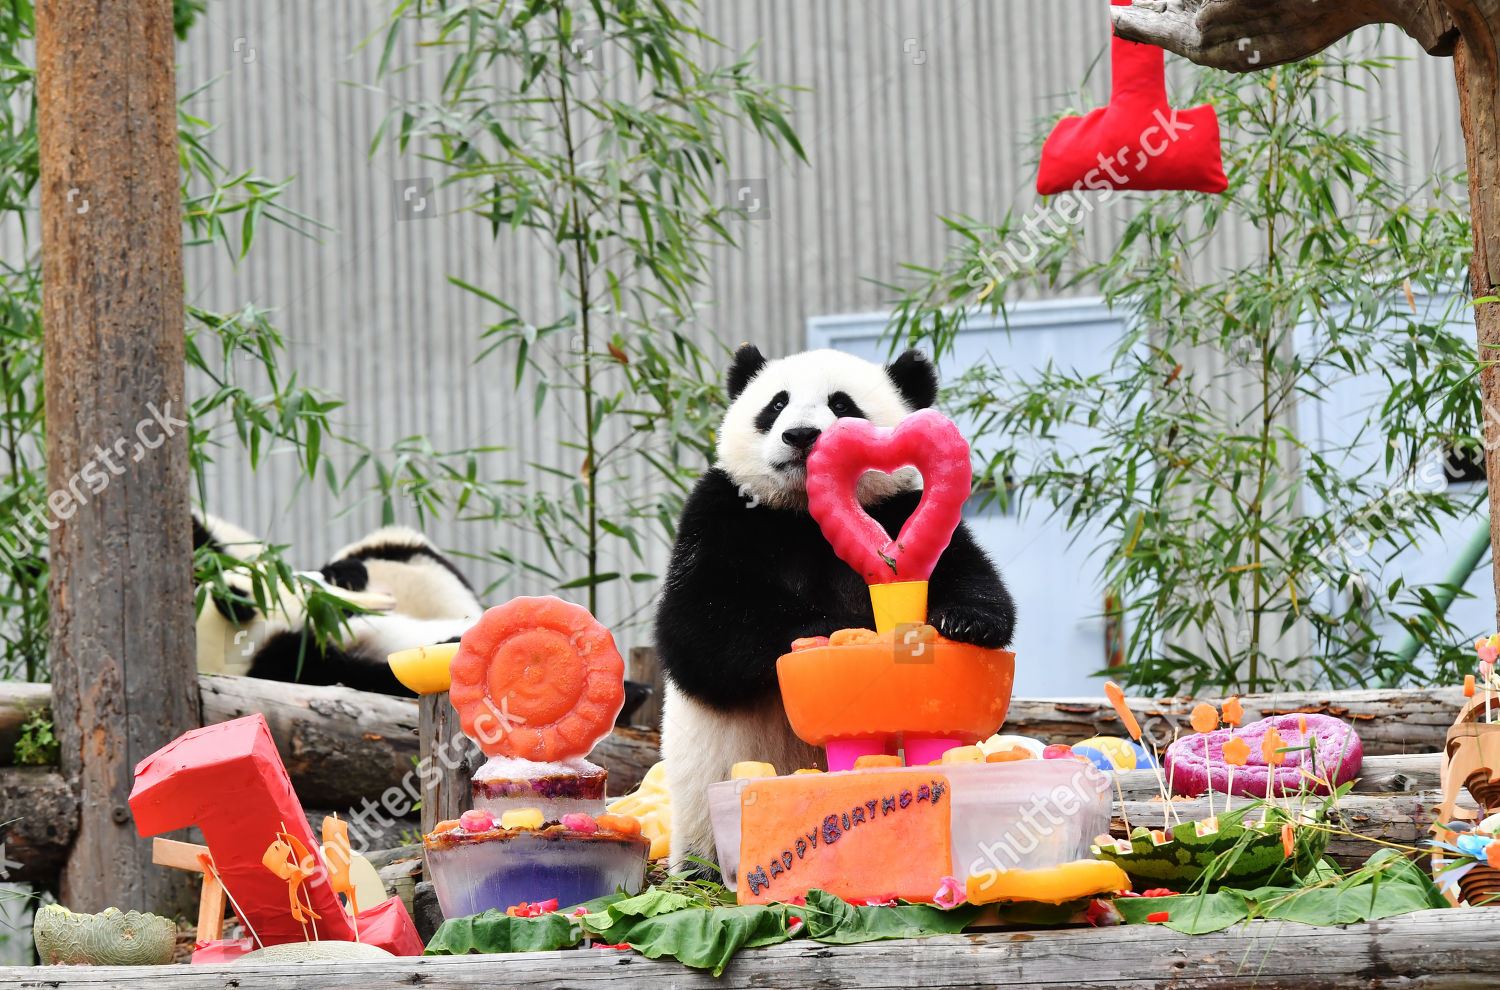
column 1248, row 35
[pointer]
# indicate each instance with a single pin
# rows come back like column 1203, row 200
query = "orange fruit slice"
column 537, row 679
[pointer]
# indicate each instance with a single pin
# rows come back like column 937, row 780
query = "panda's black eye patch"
column 766, row 418
column 842, row 406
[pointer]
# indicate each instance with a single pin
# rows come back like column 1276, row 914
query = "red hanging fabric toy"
column 1137, row 141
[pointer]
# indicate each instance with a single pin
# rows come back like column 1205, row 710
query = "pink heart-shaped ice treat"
column 926, row 440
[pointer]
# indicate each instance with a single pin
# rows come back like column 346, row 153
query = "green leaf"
column 660, row 923
column 496, row 931
column 834, row 920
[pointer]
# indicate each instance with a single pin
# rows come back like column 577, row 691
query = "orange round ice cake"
column 927, row 687
column 538, row 679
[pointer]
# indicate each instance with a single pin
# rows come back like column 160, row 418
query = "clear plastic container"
column 1018, row 815
column 499, row 869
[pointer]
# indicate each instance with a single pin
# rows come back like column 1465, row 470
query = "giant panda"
column 416, row 594
column 750, row 570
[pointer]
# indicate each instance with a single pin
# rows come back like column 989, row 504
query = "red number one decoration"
column 228, row 780
column 1137, row 141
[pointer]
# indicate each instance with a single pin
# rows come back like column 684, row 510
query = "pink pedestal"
column 922, row 751
column 843, row 752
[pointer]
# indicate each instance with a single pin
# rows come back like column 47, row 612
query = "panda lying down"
column 416, row 593
column 751, row 570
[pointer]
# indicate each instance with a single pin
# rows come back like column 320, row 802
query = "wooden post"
column 122, row 648
column 645, row 668
column 1475, row 72
column 447, row 782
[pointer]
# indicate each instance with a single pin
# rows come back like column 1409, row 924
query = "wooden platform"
column 1431, row 950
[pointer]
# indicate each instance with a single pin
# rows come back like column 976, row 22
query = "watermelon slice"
column 1236, row 852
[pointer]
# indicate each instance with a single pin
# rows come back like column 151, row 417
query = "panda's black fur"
column 751, row 571
column 745, row 582
column 427, row 600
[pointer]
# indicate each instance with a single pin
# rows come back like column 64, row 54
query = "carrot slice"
column 1117, row 698
column 537, row 679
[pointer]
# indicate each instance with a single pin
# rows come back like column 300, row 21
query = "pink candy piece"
column 926, row 440
column 579, row 822
column 476, row 821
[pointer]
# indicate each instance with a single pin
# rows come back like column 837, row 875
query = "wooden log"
column 121, row 644
column 1428, row 950
column 341, row 745
column 447, row 789
column 42, row 815
column 627, row 754
column 18, row 699
column 1405, row 720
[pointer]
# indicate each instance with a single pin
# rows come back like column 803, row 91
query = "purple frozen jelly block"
column 1336, row 757
column 499, row 870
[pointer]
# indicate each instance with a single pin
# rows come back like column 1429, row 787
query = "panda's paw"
column 966, row 624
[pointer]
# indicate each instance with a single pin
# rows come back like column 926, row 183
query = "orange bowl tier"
column 865, row 690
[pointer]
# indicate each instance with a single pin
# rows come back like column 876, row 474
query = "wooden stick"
column 190, row 857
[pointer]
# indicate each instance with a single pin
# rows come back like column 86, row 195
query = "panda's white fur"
column 422, row 586
column 699, row 746
column 417, row 599
column 771, row 470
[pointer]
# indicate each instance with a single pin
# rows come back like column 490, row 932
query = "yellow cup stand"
column 898, row 604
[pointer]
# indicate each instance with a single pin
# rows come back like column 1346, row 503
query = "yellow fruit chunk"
column 807, row 770
column 650, row 804
column 522, row 818
column 425, row 668
column 852, row 637
column 750, row 770
column 876, row 760
column 1049, row 885
column 963, row 754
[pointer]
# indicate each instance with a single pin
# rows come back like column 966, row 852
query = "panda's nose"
column 801, row 437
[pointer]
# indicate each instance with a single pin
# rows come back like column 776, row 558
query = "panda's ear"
column 915, row 378
column 747, row 361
